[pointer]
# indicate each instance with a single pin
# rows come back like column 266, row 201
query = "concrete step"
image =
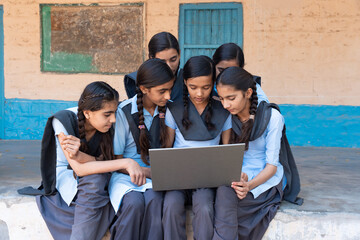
column 20, row 219
column 329, row 178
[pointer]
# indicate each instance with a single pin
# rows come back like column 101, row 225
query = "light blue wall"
column 26, row 119
column 307, row 125
column 322, row 126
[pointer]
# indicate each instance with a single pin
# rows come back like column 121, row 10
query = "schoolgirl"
column 140, row 125
column 244, row 210
column 231, row 55
column 164, row 46
column 196, row 120
column 79, row 138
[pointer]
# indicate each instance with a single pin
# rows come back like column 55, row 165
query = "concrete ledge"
column 292, row 224
column 329, row 181
column 20, row 219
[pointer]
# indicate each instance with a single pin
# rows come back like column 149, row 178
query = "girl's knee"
column 203, row 195
column 174, row 202
column 96, row 183
column 203, row 201
column 225, row 192
column 153, row 197
column 133, row 202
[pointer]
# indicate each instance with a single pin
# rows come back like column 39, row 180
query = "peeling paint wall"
column 96, row 39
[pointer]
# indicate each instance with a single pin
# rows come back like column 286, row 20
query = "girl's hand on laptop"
column 241, row 188
column 137, row 174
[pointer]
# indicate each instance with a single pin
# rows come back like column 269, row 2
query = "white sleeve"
column 169, row 119
column 261, row 94
column 227, row 124
column 60, row 156
column 121, row 132
column 58, row 127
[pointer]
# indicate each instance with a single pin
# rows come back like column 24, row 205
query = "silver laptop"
column 196, row 167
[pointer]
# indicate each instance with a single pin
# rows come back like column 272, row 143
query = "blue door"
column 2, row 97
column 204, row 27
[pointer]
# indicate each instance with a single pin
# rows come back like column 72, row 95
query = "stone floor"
column 329, row 185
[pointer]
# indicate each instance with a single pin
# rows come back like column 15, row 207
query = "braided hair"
column 152, row 73
column 240, row 79
column 93, row 98
column 198, row 66
column 229, row 51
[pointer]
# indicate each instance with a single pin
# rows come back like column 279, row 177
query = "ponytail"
column 186, row 121
column 143, row 139
column 163, row 128
column 81, row 124
column 247, row 126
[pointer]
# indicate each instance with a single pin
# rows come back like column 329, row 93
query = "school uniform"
column 80, row 207
column 138, row 208
column 261, row 94
column 202, row 200
column 176, row 92
column 249, row 218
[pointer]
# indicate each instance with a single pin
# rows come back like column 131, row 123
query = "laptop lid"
column 196, row 167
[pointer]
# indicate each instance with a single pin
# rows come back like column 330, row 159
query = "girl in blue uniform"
column 231, row 55
column 244, row 210
column 164, row 46
column 195, row 120
column 80, row 207
column 140, row 125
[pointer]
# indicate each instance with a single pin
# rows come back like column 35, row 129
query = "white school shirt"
column 180, row 141
column 124, row 144
column 66, row 184
column 263, row 150
column 261, row 94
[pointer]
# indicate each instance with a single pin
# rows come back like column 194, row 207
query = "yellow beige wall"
column 307, row 52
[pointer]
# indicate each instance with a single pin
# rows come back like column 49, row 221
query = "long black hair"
column 162, row 41
column 196, row 67
column 152, row 73
column 229, row 51
column 240, row 79
column 93, row 98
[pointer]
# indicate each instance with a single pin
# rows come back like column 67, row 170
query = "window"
column 204, row 27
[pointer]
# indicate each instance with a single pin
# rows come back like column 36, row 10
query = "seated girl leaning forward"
column 196, row 120
column 80, row 208
column 164, row 46
column 140, row 125
column 231, row 55
column 244, row 210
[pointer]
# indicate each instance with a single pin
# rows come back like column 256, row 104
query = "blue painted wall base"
column 25, row 119
column 307, row 125
column 322, row 125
